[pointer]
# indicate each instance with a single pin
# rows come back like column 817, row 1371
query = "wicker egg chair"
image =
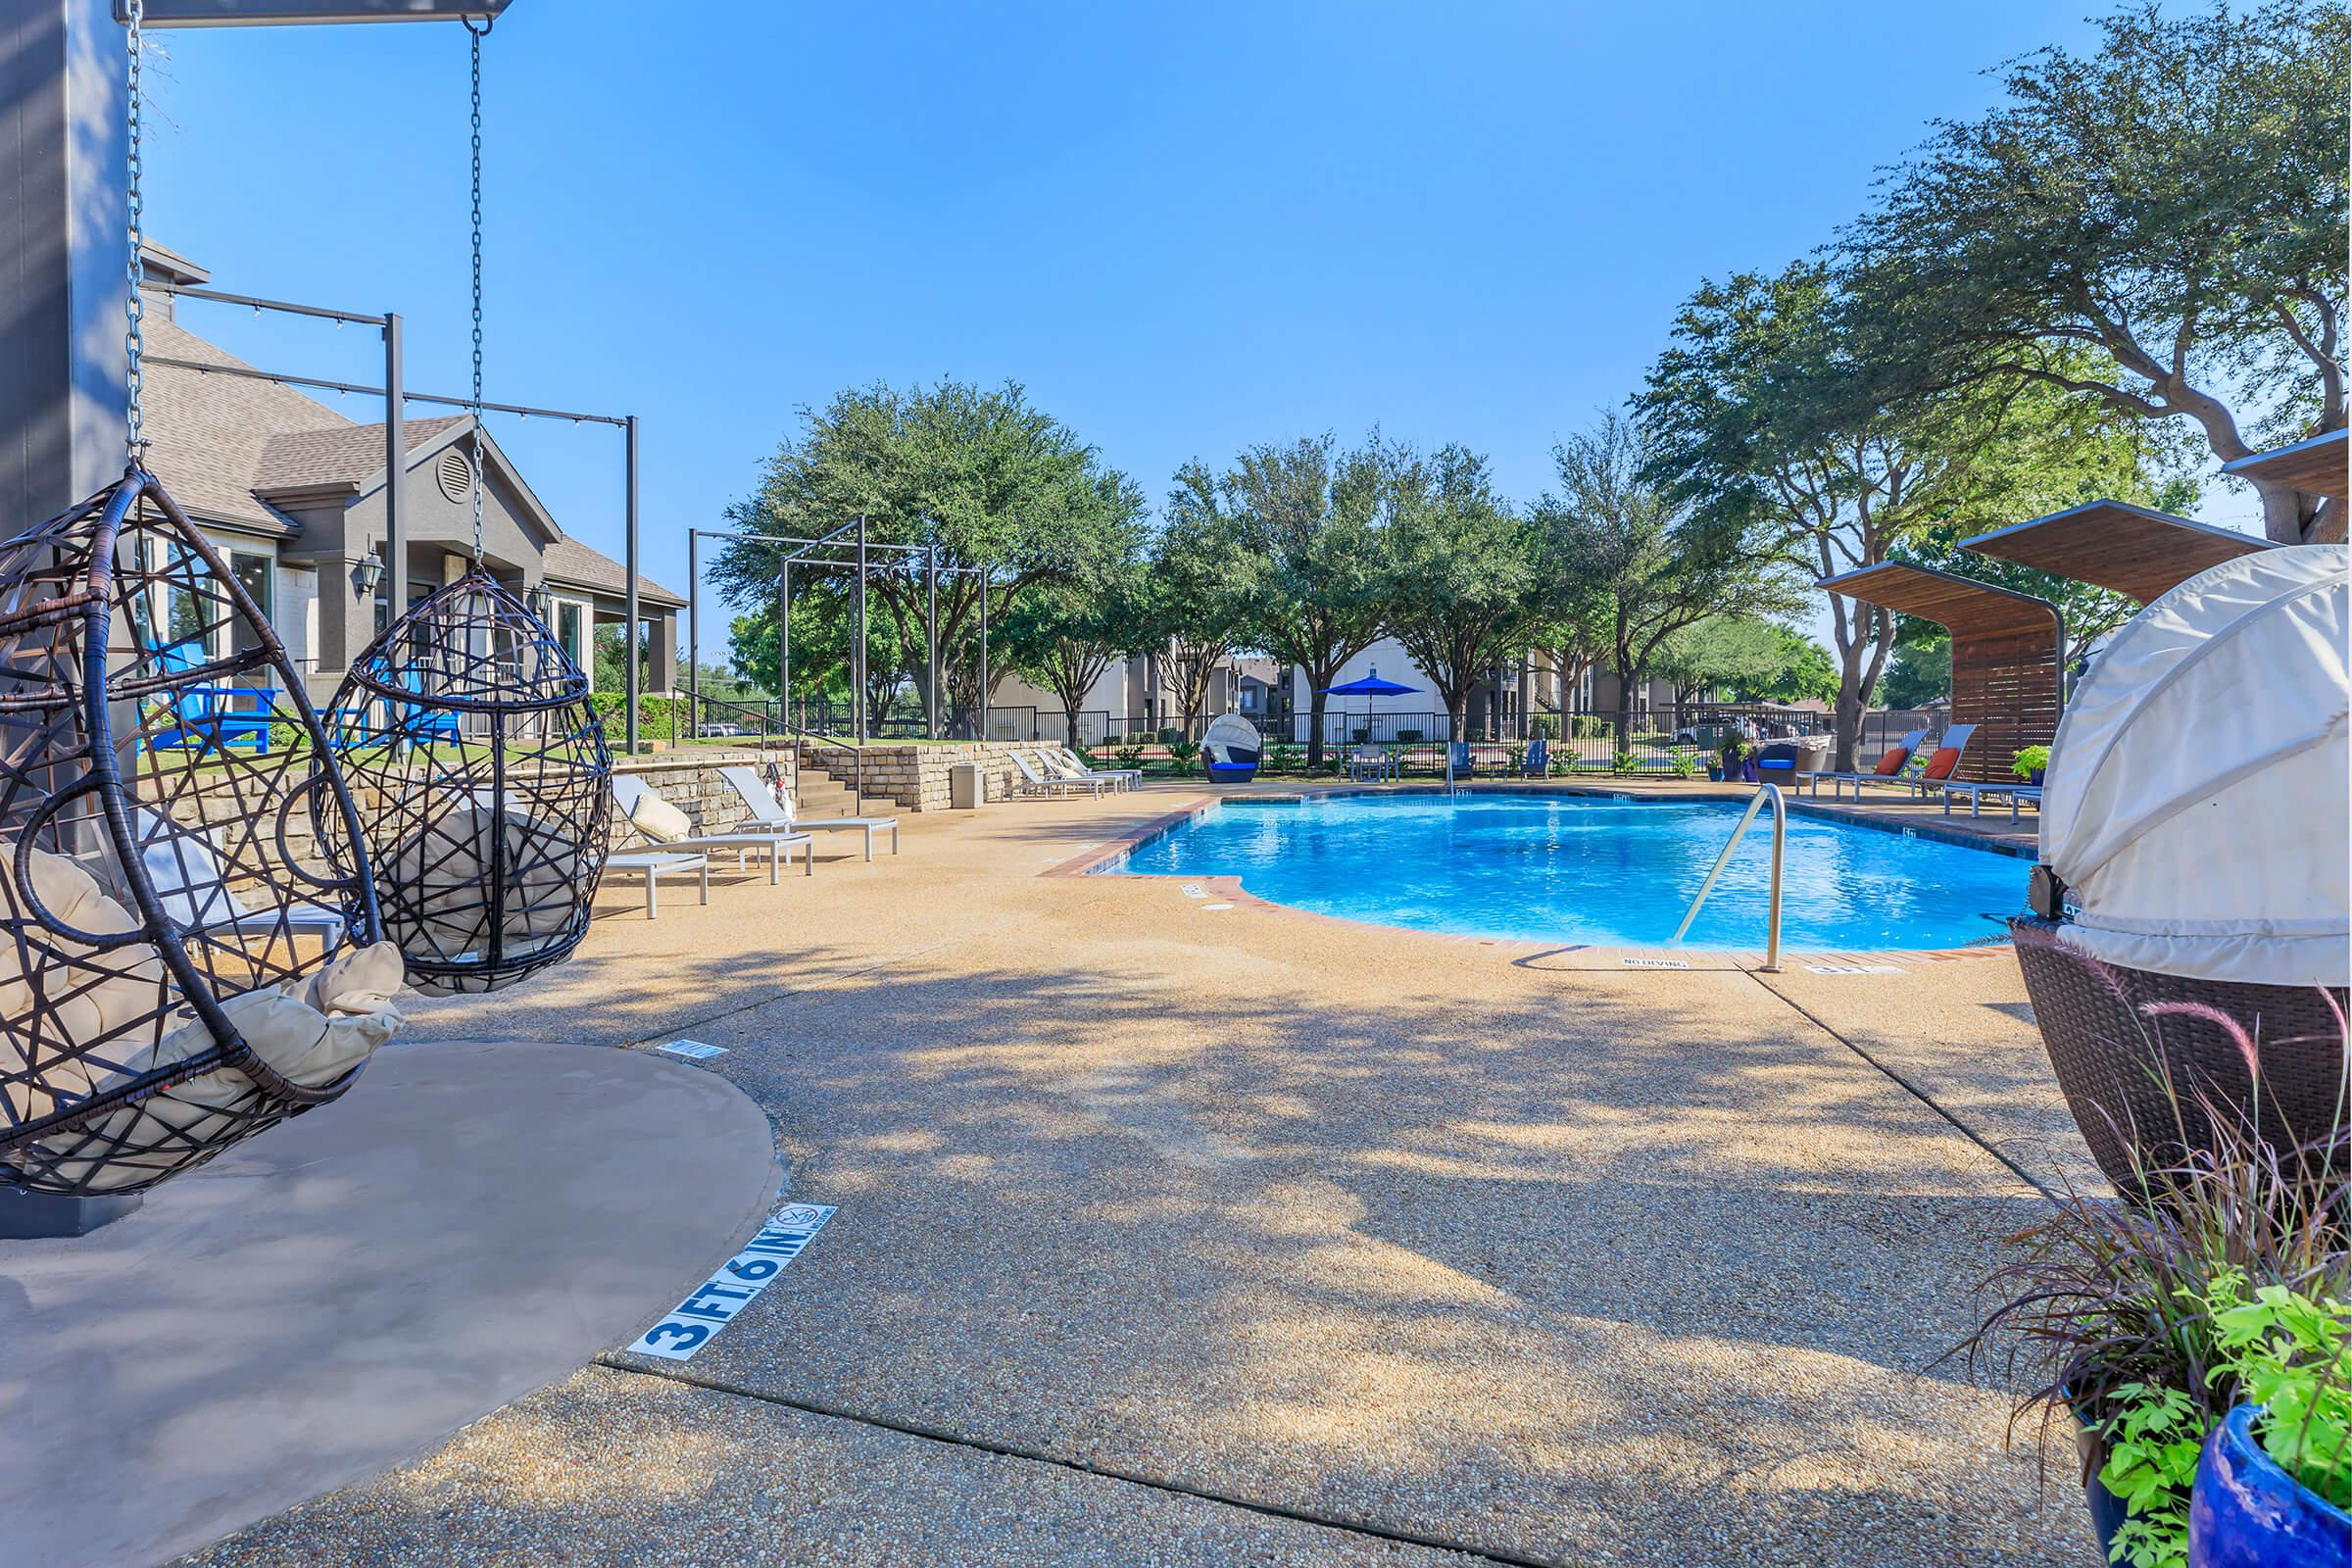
column 2191, row 950
column 179, row 910
column 483, row 786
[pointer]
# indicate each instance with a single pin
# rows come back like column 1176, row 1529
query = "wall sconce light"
column 540, row 603
column 368, row 575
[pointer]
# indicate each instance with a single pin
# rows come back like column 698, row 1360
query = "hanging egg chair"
column 185, row 932
column 483, row 786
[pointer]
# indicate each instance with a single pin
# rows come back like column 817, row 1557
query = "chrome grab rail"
column 1779, row 840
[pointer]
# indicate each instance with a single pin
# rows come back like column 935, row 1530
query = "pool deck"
column 1187, row 1230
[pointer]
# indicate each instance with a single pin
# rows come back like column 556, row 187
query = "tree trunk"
column 1624, row 739
column 1457, row 715
column 1314, row 725
column 2291, row 517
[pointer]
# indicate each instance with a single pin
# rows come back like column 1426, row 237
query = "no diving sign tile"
column 712, row 1305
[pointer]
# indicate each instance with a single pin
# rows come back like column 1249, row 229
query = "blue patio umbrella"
column 1369, row 687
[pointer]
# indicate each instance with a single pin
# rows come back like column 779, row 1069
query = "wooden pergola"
column 2317, row 466
column 2137, row 551
column 2008, row 655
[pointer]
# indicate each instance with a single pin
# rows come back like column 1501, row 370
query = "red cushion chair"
column 1941, row 765
column 1892, row 762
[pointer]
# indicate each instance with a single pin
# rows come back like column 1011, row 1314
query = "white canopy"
column 2197, row 795
column 1229, row 733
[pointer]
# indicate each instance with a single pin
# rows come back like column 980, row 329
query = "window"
column 257, row 575
column 567, row 631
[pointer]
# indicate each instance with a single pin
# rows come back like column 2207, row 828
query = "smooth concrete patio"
column 1170, row 1233
column 466, row 1225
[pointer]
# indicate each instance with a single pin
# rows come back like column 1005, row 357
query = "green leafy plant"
column 2029, row 761
column 1283, row 759
column 1686, row 766
column 1518, row 757
column 1129, row 755
column 1542, row 727
column 2146, row 1320
column 2290, row 1352
column 1627, row 762
column 1181, row 751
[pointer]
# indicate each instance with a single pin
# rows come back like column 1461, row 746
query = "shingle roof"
column 567, row 560
column 346, row 454
column 208, row 433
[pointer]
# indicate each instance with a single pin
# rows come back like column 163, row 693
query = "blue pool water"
column 1591, row 869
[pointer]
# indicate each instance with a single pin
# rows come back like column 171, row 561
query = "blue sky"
column 1184, row 228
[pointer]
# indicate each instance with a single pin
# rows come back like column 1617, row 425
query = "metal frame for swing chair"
column 932, row 572
column 396, row 447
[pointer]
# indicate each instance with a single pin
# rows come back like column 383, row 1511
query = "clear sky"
column 1183, row 228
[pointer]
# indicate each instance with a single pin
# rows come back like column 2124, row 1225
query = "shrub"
column 1544, row 727
column 1130, row 756
column 1589, row 727
column 1518, row 757
column 1170, row 736
column 1283, row 759
column 2028, row 759
column 1686, row 766
column 1182, row 751
column 1627, row 762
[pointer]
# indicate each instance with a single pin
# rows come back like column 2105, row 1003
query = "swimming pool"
column 1612, row 871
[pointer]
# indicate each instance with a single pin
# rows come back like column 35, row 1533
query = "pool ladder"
column 1780, row 842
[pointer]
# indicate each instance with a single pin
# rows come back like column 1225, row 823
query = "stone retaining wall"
column 915, row 777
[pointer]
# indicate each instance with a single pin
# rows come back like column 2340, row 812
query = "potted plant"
column 2274, row 1480
column 2029, row 762
column 2141, row 1322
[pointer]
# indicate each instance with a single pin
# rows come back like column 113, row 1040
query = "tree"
column 1922, row 671
column 1639, row 565
column 824, row 643
column 1461, row 580
column 1754, row 659
column 1312, row 523
column 983, row 476
column 1064, row 636
column 1201, row 589
column 2174, row 203
column 1769, row 415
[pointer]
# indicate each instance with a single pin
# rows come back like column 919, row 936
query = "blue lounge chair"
column 206, row 718
column 1463, row 763
column 1538, row 758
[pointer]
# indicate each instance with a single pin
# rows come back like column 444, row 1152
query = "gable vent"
column 455, row 475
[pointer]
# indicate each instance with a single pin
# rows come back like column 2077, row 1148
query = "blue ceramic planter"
column 2245, row 1512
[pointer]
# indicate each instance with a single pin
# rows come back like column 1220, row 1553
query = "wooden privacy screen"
column 2113, row 544
column 2008, row 650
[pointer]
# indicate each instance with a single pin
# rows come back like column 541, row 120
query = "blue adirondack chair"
column 210, row 718
column 1538, row 758
column 1464, row 765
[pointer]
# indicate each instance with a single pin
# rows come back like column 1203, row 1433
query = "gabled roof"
column 571, row 564
column 344, row 453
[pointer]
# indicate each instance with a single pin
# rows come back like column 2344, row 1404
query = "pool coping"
column 1228, row 889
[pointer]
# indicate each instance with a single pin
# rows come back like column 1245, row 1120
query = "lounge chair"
column 1069, row 765
column 185, row 864
column 2017, row 794
column 1897, row 757
column 772, row 808
column 1539, row 760
column 1950, row 747
column 664, row 827
column 1033, row 782
column 1460, row 760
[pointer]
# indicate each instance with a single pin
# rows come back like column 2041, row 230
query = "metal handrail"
column 791, row 732
column 1779, row 840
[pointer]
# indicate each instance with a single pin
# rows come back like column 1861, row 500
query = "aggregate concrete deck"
column 1173, row 1233
column 466, row 1225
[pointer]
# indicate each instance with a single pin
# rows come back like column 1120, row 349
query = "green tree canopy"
column 982, row 476
column 1754, row 659
column 1630, row 567
column 1461, row 576
column 1200, row 588
column 2156, row 228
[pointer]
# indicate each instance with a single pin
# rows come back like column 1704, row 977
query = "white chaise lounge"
column 774, row 809
column 663, row 827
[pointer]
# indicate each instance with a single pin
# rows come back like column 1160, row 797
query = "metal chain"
column 135, row 337
column 475, row 37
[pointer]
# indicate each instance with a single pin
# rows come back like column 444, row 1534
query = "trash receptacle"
column 967, row 786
